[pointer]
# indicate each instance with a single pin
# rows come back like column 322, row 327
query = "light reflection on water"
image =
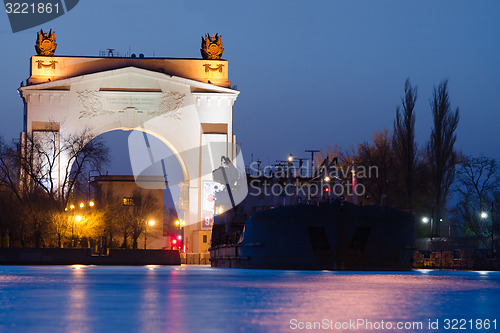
column 204, row 299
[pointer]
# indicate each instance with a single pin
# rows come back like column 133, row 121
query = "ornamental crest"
column 91, row 102
column 46, row 43
column 211, row 47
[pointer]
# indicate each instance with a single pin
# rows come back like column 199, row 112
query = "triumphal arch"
column 185, row 103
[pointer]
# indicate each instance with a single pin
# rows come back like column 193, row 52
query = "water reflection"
column 203, row 299
column 77, row 318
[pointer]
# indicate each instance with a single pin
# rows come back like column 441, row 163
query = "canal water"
column 203, row 299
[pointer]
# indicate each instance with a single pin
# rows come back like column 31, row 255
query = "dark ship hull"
column 338, row 236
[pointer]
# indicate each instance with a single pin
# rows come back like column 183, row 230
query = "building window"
column 205, row 238
column 128, row 201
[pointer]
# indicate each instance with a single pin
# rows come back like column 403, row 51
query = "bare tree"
column 404, row 144
column 380, row 188
column 440, row 149
column 144, row 208
column 29, row 172
column 477, row 185
column 43, row 152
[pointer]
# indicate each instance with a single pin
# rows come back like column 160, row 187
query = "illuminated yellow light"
column 327, row 179
column 72, row 207
column 151, row 223
column 290, row 158
column 219, row 210
column 78, row 218
column 82, row 205
column 77, row 266
column 177, row 222
column 91, row 204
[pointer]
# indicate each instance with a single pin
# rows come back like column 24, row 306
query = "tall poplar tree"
column 440, row 150
column 404, row 144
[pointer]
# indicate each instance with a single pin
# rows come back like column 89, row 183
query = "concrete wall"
column 49, row 256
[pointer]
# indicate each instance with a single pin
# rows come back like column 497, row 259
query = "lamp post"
column 72, row 208
column 484, row 215
column 427, row 220
column 150, row 223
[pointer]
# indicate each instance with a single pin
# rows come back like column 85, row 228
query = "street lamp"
column 426, row 220
column 150, row 223
column 484, row 216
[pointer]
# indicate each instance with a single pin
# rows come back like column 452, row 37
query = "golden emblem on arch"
column 46, row 43
column 211, row 47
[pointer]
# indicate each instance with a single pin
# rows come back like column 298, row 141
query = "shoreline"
column 83, row 256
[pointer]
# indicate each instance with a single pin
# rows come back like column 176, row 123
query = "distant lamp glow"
column 290, row 158
column 72, row 207
column 78, row 218
column 327, row 179
column 425, row 220
column 151, row 223
column 219, row 210
column 484, row 215
column 177, row 223
column 91, row 204
column 179, row 237
column 82, row 205
column 174, row 241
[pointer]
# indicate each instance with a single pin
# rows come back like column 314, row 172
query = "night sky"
column 311, row 73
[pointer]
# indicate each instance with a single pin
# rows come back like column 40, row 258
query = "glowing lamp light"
column 425, row 220
column 72, row 207
column 219, row 210
column 82, row 205
column 174, row 241
column 91, row 204
column 151, row 223
column 179, row 237
column 177, row 223
column 78, row 218
column 290, row 158
column 484, row 215
column 327, row 179
column 327, row 189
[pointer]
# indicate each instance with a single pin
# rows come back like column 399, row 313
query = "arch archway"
column 187, row 112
